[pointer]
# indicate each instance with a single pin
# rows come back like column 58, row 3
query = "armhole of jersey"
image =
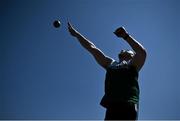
column 112, row 63
column 130, row 64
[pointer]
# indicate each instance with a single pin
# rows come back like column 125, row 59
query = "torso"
column 121, row 84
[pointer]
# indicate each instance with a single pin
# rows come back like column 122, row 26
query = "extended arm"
column 140, row 56
column 100, row 57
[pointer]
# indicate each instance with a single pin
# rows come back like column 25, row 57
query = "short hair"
column 132, row 53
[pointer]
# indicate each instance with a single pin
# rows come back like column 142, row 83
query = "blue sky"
column 46, row 74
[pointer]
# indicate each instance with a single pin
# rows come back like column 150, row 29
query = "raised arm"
column 99, row 56
column 140, row 52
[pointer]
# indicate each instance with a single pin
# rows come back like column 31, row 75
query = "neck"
column 120, row 61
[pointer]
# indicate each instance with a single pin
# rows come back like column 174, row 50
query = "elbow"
column 144, row 52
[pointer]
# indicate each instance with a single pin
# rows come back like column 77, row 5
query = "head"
column 126, row 55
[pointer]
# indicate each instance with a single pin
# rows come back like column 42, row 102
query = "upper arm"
column 100, row 57
column 139, row 59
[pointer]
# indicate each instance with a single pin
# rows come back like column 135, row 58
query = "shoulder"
column 132, row 67
column 112, row 64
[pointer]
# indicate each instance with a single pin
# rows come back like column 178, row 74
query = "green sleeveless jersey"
column 121, row 85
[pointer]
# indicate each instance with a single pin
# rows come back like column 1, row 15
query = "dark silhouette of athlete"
column 121, row 84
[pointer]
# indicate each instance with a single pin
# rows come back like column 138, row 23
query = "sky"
column 46, row 74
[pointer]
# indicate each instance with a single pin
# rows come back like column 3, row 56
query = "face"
column 126, row 55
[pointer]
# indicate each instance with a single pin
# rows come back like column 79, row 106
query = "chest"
column 121, row 72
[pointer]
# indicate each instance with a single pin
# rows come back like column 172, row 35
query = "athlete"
column 121, row 96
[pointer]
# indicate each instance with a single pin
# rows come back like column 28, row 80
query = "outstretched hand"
column 72, row 31
column 120, row 32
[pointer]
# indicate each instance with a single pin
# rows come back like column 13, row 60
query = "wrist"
column 126, row 36
column 76, row 34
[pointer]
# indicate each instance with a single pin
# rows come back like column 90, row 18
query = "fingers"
column 71, row 29
column 120, row 32
column 69, row 25
column 119, row 29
